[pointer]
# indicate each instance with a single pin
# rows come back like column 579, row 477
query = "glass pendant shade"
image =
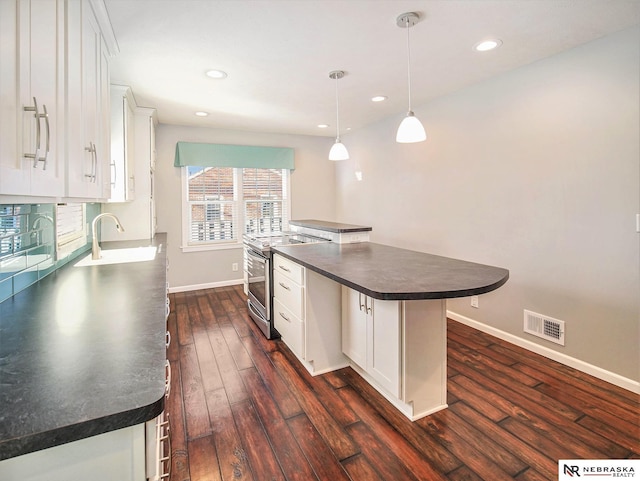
column 410, row 130
column 338, row 151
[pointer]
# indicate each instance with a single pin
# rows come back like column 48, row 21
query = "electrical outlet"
column 474, row 302
column 234, row 267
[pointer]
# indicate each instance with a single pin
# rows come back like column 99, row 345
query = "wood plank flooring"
column 243, row 408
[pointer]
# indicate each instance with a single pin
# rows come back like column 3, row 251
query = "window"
column 265, row 200
column 220, row 204
column 71, row 233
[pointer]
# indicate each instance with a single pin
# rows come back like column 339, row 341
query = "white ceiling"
column 278, row 54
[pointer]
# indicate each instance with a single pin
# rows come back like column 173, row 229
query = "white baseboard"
column 208, row 285
column 595, row 371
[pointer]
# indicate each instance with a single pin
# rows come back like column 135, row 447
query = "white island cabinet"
column 371, row 335
column 307, row 315
column 398, row 347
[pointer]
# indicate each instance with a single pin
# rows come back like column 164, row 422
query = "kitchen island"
column 390, row 321
column 82, row 353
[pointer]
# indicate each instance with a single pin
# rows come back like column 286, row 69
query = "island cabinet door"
column 384, row 336
column 354, row 326
column 371, row 337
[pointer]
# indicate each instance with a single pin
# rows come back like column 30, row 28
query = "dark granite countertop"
column 390, row 273
column 82, row 352
column 336, row 227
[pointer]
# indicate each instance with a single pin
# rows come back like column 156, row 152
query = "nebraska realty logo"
column 573, row 469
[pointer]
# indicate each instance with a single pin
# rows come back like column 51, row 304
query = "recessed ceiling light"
column 487, row 45
column 202, row 114
column 379, row 98
column 217, row 74
column 323, row 126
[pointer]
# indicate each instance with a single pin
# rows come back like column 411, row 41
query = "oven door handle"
column 255, row 255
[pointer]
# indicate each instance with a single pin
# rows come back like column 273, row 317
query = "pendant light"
column 338, row 151
column 410, row 129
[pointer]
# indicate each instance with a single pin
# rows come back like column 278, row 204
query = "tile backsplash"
column 28, row 245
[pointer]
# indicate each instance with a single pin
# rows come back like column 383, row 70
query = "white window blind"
column 265, row 200
column 212, row 212
column 70, row 226
column 222, row 203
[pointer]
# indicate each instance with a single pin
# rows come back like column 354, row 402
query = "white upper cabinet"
column 123, row 179
column 32, row 82
column 54, row 109
column 88, row 123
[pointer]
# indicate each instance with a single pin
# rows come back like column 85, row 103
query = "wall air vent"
column 544, row 326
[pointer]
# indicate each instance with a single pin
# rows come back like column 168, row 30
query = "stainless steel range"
column 257, row 266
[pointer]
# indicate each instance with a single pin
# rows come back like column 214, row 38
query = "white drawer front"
column 293, row 271
column 290, row 327
column 289, row 293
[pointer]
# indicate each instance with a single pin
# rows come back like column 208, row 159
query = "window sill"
column 211, row 247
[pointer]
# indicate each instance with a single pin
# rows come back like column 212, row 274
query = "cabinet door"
column 384, row 337
column 103, row 156
column 122, row 142
column 354, row 326
column 14, row 179
column 42, row 78
column 32, row 53
column 86, row 141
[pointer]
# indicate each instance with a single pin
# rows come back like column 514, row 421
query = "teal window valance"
column 242, row 156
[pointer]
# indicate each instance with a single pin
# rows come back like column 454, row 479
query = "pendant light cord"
column 408, row 62
column 337, row 113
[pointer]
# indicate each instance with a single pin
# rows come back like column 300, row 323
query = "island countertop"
column 328, row 226
column 390, row 273
column 82, row 352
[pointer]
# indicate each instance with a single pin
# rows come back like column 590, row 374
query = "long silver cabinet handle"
column 284, row 268
column 34, row 156
column 284, row 286
column 284, row 317
column 44, row 159
column 94, row 160
column 114, row 171
column 366, row 304
column 95, row 164
column 362, row 306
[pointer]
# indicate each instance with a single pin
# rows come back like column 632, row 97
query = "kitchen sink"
column 120, row 256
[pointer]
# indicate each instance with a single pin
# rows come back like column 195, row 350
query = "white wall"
column 537, row 171
column 312, row 196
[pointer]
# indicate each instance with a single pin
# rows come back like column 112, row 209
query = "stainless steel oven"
column 257, row 266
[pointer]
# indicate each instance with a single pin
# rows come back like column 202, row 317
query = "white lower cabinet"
column 371, row 337
column 114, row 456
column 306, row 313
column 399, row 347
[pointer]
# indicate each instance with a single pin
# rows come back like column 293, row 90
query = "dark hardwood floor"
column 243, row 408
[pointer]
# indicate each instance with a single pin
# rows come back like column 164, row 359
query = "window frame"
column 239, row 209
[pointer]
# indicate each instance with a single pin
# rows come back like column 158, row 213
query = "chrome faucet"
column 95, row 247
